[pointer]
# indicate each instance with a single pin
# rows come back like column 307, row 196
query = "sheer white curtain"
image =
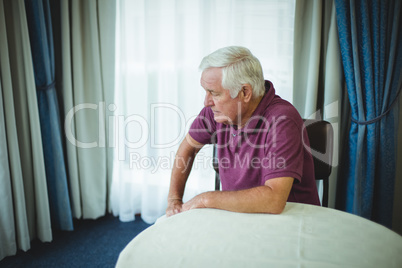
column 158, row 49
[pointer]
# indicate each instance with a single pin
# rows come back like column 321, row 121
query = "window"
column 160, row 44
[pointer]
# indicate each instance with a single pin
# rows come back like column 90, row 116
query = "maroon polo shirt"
column 272, row 144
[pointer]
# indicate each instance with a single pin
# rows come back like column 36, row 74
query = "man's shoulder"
column 206, row 115
column 280, row 109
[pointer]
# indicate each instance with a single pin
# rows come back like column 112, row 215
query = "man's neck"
column 250, row 110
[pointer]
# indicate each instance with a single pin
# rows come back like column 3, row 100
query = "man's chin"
column 221, row 119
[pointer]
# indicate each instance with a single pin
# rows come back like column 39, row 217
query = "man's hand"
column 196, row 202
column 174, row 207
column 181, row 169
column 269, row 198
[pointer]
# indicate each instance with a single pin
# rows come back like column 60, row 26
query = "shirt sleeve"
column 203, row 127
column 284, row 151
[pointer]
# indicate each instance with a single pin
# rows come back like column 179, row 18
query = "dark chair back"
column 321, row 137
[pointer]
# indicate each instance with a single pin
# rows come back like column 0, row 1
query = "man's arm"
column 270, row 198
column 181, row 169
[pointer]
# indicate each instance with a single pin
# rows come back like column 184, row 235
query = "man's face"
column 226, row 110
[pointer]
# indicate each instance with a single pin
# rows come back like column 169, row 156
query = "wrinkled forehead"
column 211, row 77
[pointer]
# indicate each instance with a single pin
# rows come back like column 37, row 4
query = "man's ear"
column 247, row 91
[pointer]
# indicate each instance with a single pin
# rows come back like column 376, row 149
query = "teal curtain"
column 370, row 36
column 41, row 40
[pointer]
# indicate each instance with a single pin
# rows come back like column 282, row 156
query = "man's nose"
column 208, row 100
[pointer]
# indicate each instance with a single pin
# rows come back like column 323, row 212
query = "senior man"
column 261, row 141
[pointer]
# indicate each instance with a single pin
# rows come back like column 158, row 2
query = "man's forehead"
column 211, row 76
column 211, row 87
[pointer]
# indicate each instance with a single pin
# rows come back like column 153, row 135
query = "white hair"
column 239, row 67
